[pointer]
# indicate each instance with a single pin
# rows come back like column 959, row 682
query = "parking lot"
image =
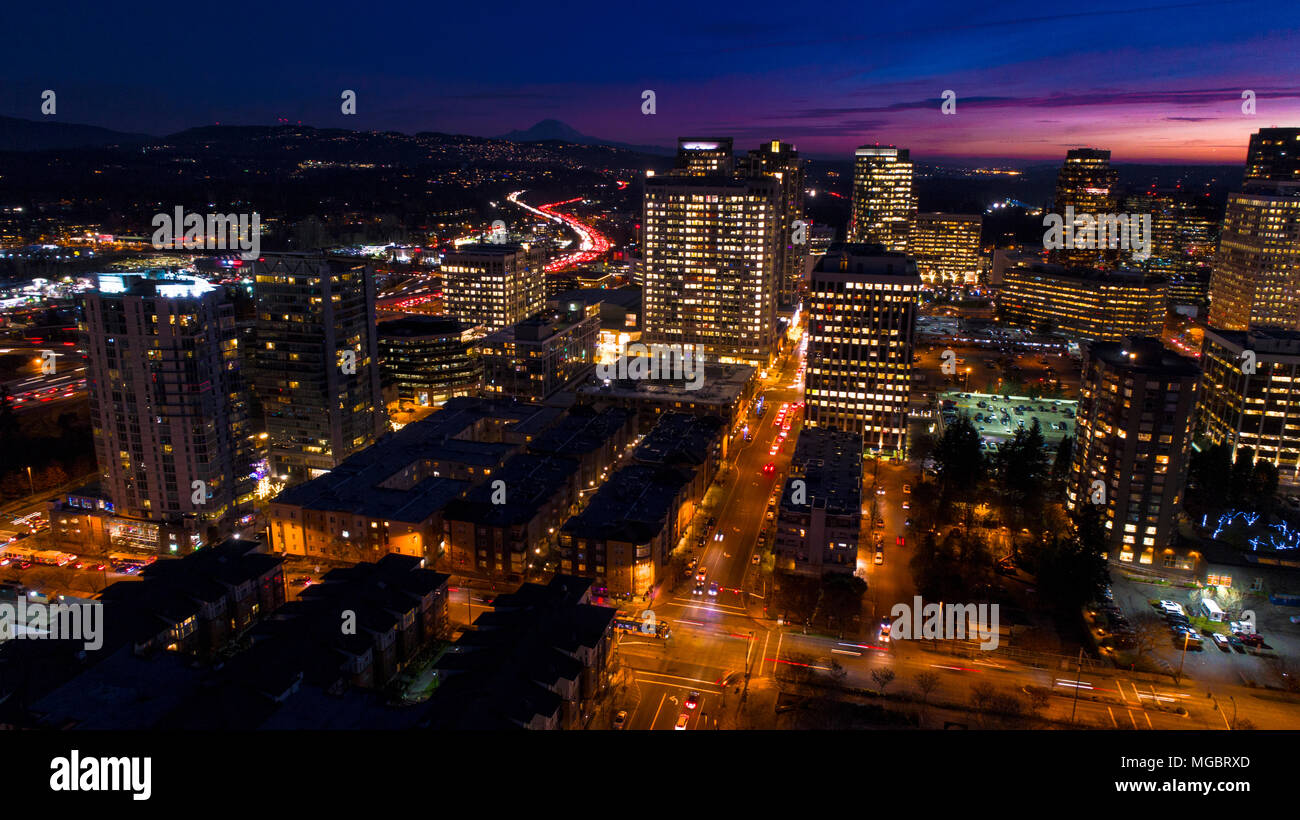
column 997, row 418
column 1230, row 661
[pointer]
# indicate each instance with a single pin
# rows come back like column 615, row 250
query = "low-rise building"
column 819, row 522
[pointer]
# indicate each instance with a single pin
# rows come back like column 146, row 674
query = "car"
column 699, row 589
column 79, row 565
column 907, row 523
column 883, row 632
column 880, row 556
column 880, row 523
column 713, row 589
column 691, row 563
column 1236, row 644
column 1221, row 641
column 620, row 719
column 769, row 468
column 1252, row 639
column 682, row 720
column 692, row 700
column 100, row 567
column 25, row 565
column 907, row 505
column 907, row 488
column 701, row 573
column 757, row 559
column 880, row 491
column 302, row 581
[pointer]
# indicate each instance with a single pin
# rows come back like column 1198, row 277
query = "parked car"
column 1221, row 641
column 620, row 719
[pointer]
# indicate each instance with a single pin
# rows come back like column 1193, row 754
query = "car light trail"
column 591, row 243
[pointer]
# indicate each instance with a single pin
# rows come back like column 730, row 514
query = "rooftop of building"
column 417, row 326
column 485, row 249
column 158, row 283
column 629, row 297
column 722, row 384
column 1144, row 354
column 531, row 481
column 865, row 259
column 501, row 673
column 1261, row 340
column 581, row 431
column 541, row 326
column 829, row 461
column 1124, row 276
column 354, row 486
column 680, row 438
column 633, row 505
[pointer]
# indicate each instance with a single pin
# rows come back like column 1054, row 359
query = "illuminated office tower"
column 1256, row 278
column 781, row 161
column 1184, row 235
column 318, row 370
column 883, row 198
column 1250, row 396
column 710, row 265
column 168, row 407
column 946, row 247
column 1274, row 155
column 861, row 320
column 493, row 286
column 1133, row 437
column 705, row 156
column 1086, row 183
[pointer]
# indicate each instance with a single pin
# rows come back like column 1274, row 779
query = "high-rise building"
column 1256, row 278
column 1087, row 184
column 534, row 358
column 1274, row 155
column 168, row 407
column 710, row 265
column 493, row 286
column 781, row 161
column 427, row 358
column 1184, row 234
column 883, row 198
column 1134, row 432
column 1250, row 395
column 946, row 247
column 1083, row 303
column 861, row 320
column 318, row 371
column 705, row 156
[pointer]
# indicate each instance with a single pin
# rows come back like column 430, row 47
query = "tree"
column 883, row 677
column 842, row 596
column 926, row 683
column 1071, row 569
column 959, row 461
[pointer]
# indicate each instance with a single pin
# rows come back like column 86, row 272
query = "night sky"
column 1152, row 82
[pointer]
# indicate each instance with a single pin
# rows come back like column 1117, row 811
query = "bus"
column 130, row 560
column 54, row 558
column 631, row 623
column 15, row 555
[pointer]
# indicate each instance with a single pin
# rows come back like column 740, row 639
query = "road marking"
column 1148, row 717
column 700, row 681
column 846, row 652
column 1112, row 717
column 1131, row 718
column 655, row 719
column 766, row 641
column 1119, row 687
